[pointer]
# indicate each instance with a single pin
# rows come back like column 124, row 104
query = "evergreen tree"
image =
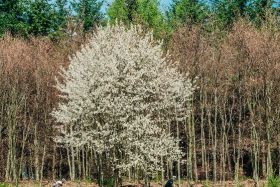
column 35, row 17
column 88, row 12
column 145, row 12
column 131, row 8
column 41, row 18
column 148, row 13
column 227, row 11
column 61, row 12
column 122, row 10
column 12, row 17
column 187, row 12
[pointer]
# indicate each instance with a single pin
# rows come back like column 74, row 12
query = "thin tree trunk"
column 36, row 153
column 42, row 166
column 215, row 136
column 251, row 105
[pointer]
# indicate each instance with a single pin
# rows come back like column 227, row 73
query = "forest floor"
column 246, row 183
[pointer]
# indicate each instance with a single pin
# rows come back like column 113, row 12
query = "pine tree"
column 187, row 12
column 123, row 11
column 41, row 18
column 226, row 11
column 145, row 12
column 88, row 13
column 12, row 17
column 149, row 14
column 62, row 12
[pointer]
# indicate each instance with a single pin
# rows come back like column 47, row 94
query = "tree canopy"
column 119, row 96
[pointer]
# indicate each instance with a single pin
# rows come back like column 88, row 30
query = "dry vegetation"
column 233, row 131
column 236, row 107
column 27, row 71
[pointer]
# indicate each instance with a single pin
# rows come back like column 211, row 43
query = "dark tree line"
column 48, row 18
column 56, row 18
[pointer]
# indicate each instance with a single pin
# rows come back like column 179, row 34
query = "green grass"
column 4, row 185
column 273, row 181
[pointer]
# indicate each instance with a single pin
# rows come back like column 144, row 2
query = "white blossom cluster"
column 119, row 96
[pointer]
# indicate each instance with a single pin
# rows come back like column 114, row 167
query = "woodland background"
column 231, row 49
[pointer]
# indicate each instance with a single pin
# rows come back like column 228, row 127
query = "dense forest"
column 230, row 51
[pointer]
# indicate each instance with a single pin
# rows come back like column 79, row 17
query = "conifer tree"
column 149, row 14
column 11, row 17
column 122, row 10
column 62, row 12
column 187, row 12
column 88, row 12
column 226, row 11
column 145, row 12
column 41, row 17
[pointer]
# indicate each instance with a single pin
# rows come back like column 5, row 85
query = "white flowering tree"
column 118, row 97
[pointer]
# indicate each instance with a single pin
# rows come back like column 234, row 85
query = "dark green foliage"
column 61, row 12
column 131, row 8
column 88, row 12
column 47, row 17
column 226, row 12
column 12, row 17
column 187, row 12
column 259, row 11
column 123, row 11
column 41, row 18
column 149, row 14
column 62, row 15
column 109, row 182
column 34, row 17
column 145, row 12
column 261, row 6
column 53, row 17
